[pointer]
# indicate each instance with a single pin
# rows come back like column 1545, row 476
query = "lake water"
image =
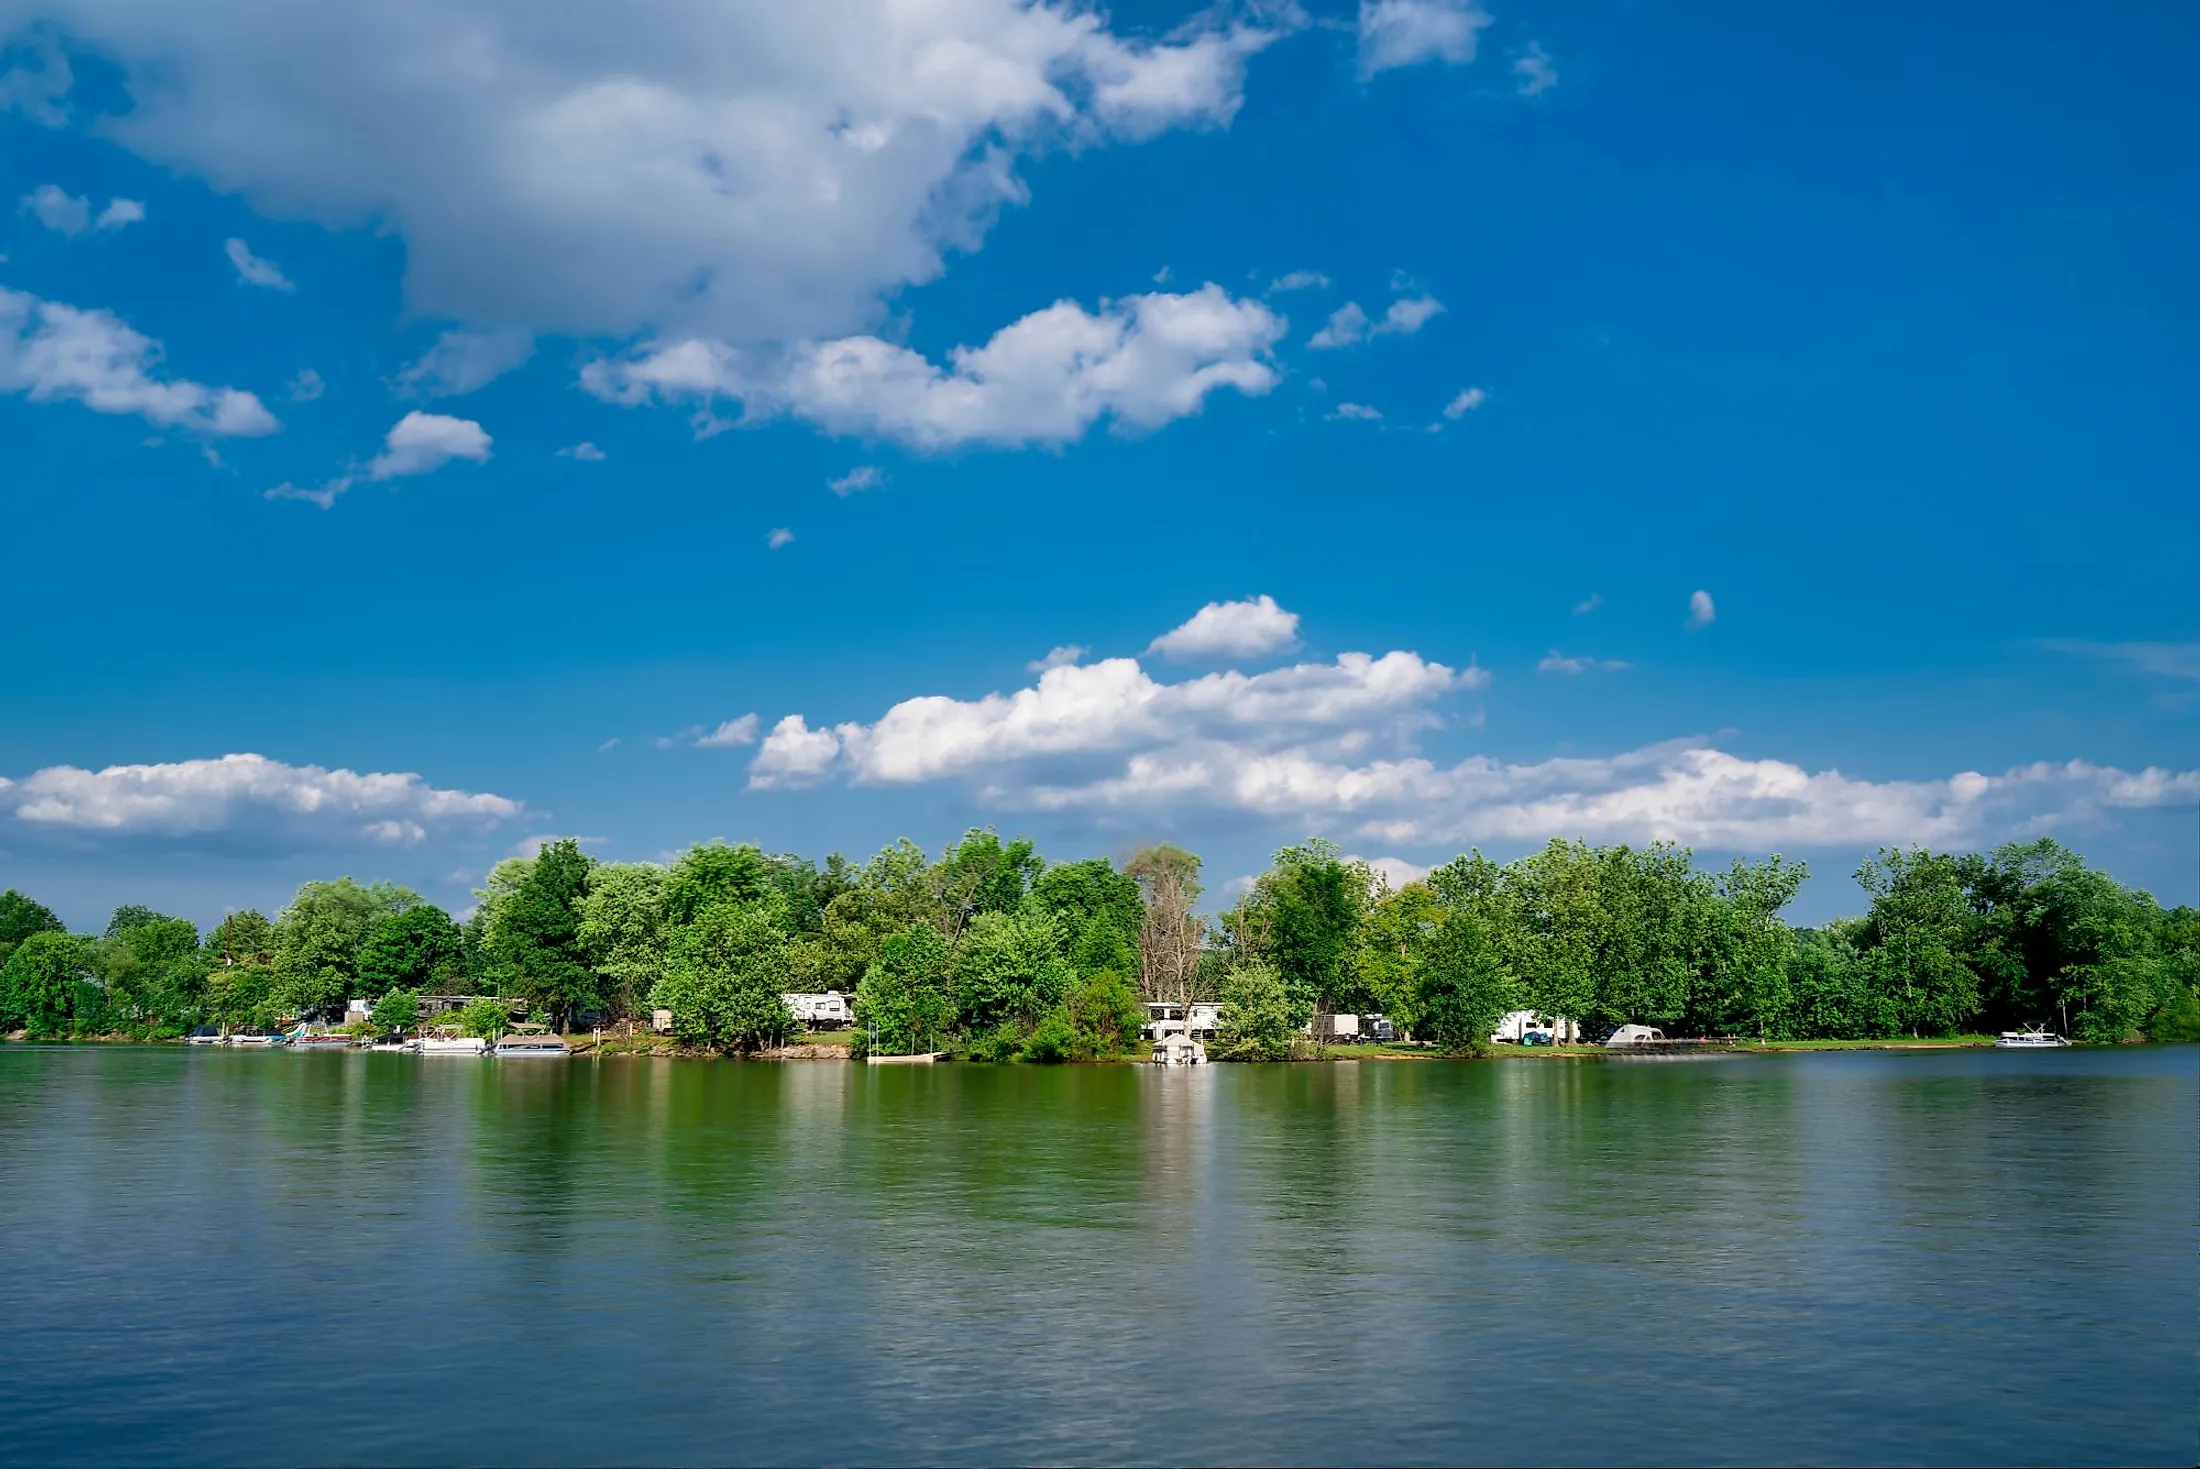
column 1955, row 1257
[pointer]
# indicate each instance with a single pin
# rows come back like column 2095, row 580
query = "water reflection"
column 1809, row 1257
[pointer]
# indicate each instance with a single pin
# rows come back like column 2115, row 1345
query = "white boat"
column 397, row 1047
column 531, row 1045
column 1178, row 1049
column 920, row 1058
column 453, row 1045
column 2029, row 1038
column 205, row 1035
column 242, row 1038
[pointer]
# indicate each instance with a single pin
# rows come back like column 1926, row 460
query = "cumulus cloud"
column 586, row 453
column 243, row 801
column 421, row 443
column 120, row 212
column 254, row 271
column 1299, row 280
column 1358, row 411
column 1061, row 657
column 1533, row 73
column 1395, row 872
column 1221, row 631
column 1702, row 612
column 1091, row 719
column 747, row 172
column 1397, row 33
column 461, row 361
column 1557, row 662
column 779, row 536
column 1046, row 379
column 1465, row 403
column 51, row 352
column 1328, row 746
column 794, row 755
column 863, row 477
column 730, row 735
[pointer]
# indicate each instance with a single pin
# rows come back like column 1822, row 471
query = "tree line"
column 991, row 950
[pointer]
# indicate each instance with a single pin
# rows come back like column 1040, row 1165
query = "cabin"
column 829, row 1011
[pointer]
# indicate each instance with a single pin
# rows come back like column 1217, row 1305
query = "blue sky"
column 1870, row 324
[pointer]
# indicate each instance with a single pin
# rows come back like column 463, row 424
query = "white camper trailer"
column 829, row 1011
column 1528, row 1028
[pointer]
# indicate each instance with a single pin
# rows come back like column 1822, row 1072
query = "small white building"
column 660, row 1021
column 828, row 1011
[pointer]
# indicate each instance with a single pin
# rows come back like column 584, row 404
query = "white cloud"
column 306, row 386
column 118, row 213
column 1349, row 324
column 324, row 494
column 748, row 172
column 730, row 735
column 1346, row 325
column 794, row 755
column 51, row 352
column 1299, row 280
column 1533, row 71
column 243, row 801
column 1407, row 32
column 1045, row 379
column 421, row 443
column 1358, row 411
column 1221, row 631
column 462, row 361
column 780, row 536
column 1702, row 612
column 1406, row 317
column 586, row 453
column 1588, row 604
column 1396, row 872
column 1557, row 662
column 254, row 271
column 58, row 210
column 611, row 744
column 1465, row 403
column 863, row 477
column 1062, row 657
column 39, row 81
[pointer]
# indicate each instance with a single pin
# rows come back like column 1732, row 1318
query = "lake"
column 1948, row 1257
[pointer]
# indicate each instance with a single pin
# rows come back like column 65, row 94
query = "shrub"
column 1054, row 1040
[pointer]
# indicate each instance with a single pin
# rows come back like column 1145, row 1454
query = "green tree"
column 317, row 940
column 150, row 972
column 708, row 875
column 20, row 917
column 1009, row 969
column 1466, row 987
column 1746, row 988
column 43, row 984
column 397, row 1011
column 622, row 930
column 1313, row 901
column 1390, row 949
column 1256, row 1022
column 484, row 1017
column 1831, row 994
column 1100, row 906
column 1915, row 939
column 536, row 943
column 416, row 949
column 239, row 958
column 1104, row 1015
column 1171, row 937
column 906, row 1000
column 722, row 978
column 979, row 875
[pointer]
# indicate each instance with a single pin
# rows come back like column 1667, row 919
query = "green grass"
column 1887, row 1043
